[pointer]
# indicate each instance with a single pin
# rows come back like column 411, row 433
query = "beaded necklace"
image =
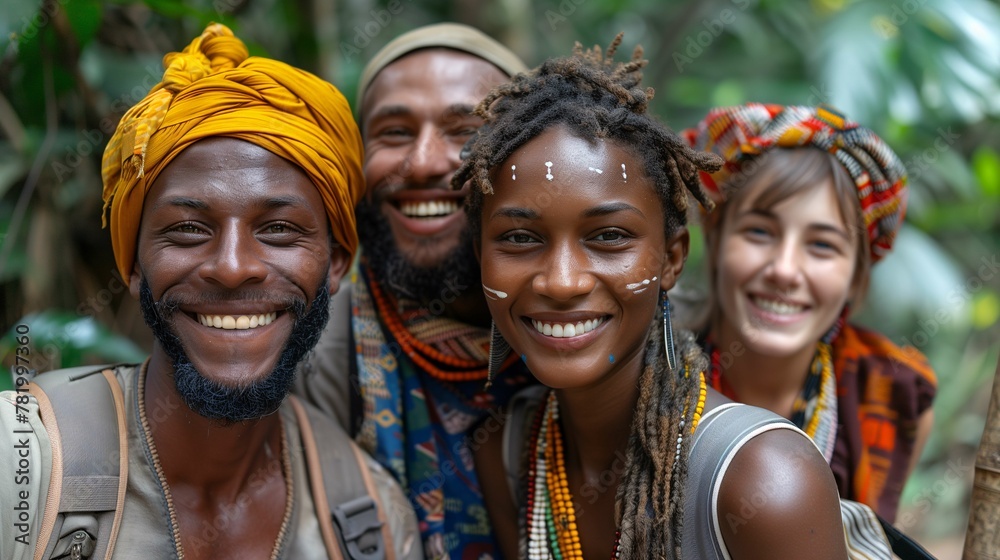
column 550, row 518
column 423, row 354
column 815, row 408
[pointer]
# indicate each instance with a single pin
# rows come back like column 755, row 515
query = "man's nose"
column 432, row 158
column 236, row 260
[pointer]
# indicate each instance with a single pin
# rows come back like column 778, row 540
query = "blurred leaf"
column 19, row 18
column 985, row 310
column 85, row 18
column 986, row 166
column 63, row 339
column 918, row 279
column 17, row 261
column 12, row 168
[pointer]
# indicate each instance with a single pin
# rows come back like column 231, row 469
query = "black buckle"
column 358, row 519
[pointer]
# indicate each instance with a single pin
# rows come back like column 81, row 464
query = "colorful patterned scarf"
column 740, row 134
column 882, row 391
column 419, row 426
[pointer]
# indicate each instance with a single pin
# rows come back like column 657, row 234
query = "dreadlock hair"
column 597, row 98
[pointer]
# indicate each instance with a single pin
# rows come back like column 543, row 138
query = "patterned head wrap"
column 741, row 133
column 212, row 88
column 441, row 35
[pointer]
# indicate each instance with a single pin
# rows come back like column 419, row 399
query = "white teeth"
column 239, row 322
column 778, row 307
column 566, row 330
column 431, row 208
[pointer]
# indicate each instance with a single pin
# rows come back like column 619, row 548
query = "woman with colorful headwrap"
column 807, row 202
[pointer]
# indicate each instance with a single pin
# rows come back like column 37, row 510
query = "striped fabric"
column 740, row 133
column 865, row 538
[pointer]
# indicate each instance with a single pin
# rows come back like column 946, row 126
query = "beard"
column 231, row 404
column 397, row 274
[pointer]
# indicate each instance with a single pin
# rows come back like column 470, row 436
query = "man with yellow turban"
column 231, row 189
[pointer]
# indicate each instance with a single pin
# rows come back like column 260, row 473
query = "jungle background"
column 924, row 74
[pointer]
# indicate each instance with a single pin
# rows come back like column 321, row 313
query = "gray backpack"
column 83, row 410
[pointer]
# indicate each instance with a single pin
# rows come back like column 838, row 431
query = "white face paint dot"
column 513, row 175
column 548, row 170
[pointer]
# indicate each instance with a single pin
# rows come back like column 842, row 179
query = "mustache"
column 395, row 184
column 170, row 304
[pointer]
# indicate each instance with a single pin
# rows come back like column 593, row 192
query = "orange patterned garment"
column 882, row 390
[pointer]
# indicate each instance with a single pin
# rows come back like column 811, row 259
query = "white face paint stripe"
column 494, row 294
column 548, row 170
column 513, row 174
column 624, row 176
column 640, row 287
column 595, row 170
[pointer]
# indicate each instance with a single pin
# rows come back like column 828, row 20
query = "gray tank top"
column 721, row 433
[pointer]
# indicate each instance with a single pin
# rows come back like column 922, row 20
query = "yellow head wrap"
column 212, row 88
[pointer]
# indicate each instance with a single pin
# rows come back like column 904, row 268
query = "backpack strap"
column 83, row 410
column 346, row 502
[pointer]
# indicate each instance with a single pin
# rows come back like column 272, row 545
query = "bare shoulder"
column 778, row 499
column 492, row 474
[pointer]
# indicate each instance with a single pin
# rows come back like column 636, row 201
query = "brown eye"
column 518, row 238
column 187, row 228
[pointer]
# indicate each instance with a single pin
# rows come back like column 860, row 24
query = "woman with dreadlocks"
column 578, row 199
column 812, row 200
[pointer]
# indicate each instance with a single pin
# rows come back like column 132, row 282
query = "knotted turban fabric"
column 739, row 134
column 213, row 88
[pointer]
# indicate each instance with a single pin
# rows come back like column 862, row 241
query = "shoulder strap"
column 721, row 433
column 347, row 503
column 903, row 546
column 83, row 410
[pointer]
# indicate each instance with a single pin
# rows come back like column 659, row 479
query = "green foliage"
column 58, row 339
column 924, row 74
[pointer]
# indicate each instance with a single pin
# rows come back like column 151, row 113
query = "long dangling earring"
column 499, row 348
column 668, row 333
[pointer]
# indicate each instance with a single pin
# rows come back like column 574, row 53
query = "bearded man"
column 413, row 328
column 230, row 190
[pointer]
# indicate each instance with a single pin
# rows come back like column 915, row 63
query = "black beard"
column 397, row 274
column 218, row 401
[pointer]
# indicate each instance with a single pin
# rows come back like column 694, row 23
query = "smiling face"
column 416, row 116
column 574, row 256
column 234, row 247
column 784, row 273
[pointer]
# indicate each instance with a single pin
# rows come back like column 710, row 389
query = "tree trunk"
column 982, row 540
